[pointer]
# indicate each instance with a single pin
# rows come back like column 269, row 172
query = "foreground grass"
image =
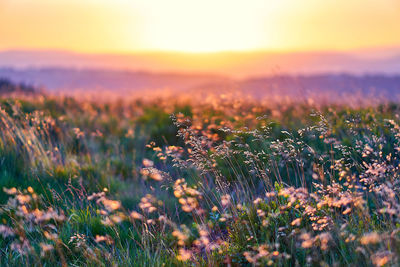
column 126, row 184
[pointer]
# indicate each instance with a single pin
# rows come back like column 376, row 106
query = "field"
column 216, row 182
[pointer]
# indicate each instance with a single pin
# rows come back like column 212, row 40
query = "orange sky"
column 198, row 26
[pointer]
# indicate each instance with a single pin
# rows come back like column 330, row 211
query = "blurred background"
column 287, row 48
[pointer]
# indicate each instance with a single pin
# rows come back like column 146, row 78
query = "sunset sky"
column 116, row 26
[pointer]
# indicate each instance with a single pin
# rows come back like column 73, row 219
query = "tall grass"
column 126, row 184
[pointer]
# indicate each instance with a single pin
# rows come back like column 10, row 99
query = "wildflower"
column 249, row 257
column 136, row 216
column 117, row 218
column 177, row 194
column 370, row 238
column 381, row 258
column 11, row 191
column 156, row 176
column 24, row 210
column 203, row 232
column 111, row 205
column 6, row 231
column 50, row 214
column 152, row 173
column 239, row 207
column 99, row 195
column 157, row 149
column 107, row 222
column 260, row 213
column 130, row 133
column 53, row 236
column 296, row 222
column 45, row 249
column 78, row 133
column 78, row 240
column 225, row 200
column 308, row 241
column 347, row 211
column 257, row 200
column 152, row 143
column 181, row 237
column 146, row 203
column 107, row 239
column 184, row 254
column 22, row 199
column 350, row 238
column 23, row 247
column 148, row 163
column 270, row 194
column 324, row 239
column 97, row 133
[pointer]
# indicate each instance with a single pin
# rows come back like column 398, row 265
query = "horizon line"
column 252, row 51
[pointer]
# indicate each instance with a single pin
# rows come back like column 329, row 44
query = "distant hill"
column 58, row 79
column 232, row 64
column 7, row 87
column 334, row 76
column 330, row 87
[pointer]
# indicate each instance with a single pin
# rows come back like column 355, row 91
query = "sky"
column 129, row 26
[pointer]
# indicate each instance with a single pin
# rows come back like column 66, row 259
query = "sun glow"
column 198, row 26
column 205, row 26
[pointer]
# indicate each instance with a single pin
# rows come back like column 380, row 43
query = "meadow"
column 213, row 182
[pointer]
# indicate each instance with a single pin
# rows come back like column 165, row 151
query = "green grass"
column 210, row 186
